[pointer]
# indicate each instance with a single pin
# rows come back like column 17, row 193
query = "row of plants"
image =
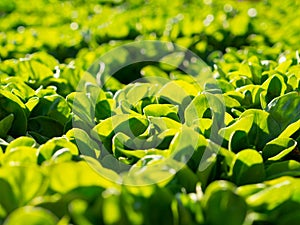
column 66, row 28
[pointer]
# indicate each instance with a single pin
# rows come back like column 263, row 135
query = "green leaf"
column 101, row 104
column 207, row 105
column 275, row 87
column 293, row 81
column 256, row 69
column 158, row 110
column 242, row 124
column 160, row 140
column 250, row 189
column 5, row 125
column 292, row 130
column 222, row 205
column 47, row 150
column 186, row 179
column 20, row 142
column 104, row 109
column 164, row 123
column 61, row 155
column 53, row 106
column 264, row 127
column 48, row 91
column 285, row 168
column 31, row 103
column 45, row 126
column 33, row 70
column 177, row 93
column 19, row 178
column 238, row 141
column 9, row 201
column 240, row 81
column 172, row 61
column 126, row 108
column 285, row 109
column 288, row 212
column 203, row 125
column 283, row 67
column 251, row 94
column 277, row 192
column 85, row 144
column 238, row 96
column 222, row 84
column 32, row 215
column 248, row 167
column 188, row 147
column 18, row 88
column 82, row 107
column 10, row 104
column 131, row 125
column 133, row 93
column 80, row 174
column 76, row 73
column 38, row 137
column 21, row 155
column 45, row 59
column 278, row 148
column 129, row 151
column 162, row 198
column 231, row 102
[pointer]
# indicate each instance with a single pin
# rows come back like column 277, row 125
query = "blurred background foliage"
column 73, row 29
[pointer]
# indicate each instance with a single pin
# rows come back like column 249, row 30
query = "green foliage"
column 78, row 144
